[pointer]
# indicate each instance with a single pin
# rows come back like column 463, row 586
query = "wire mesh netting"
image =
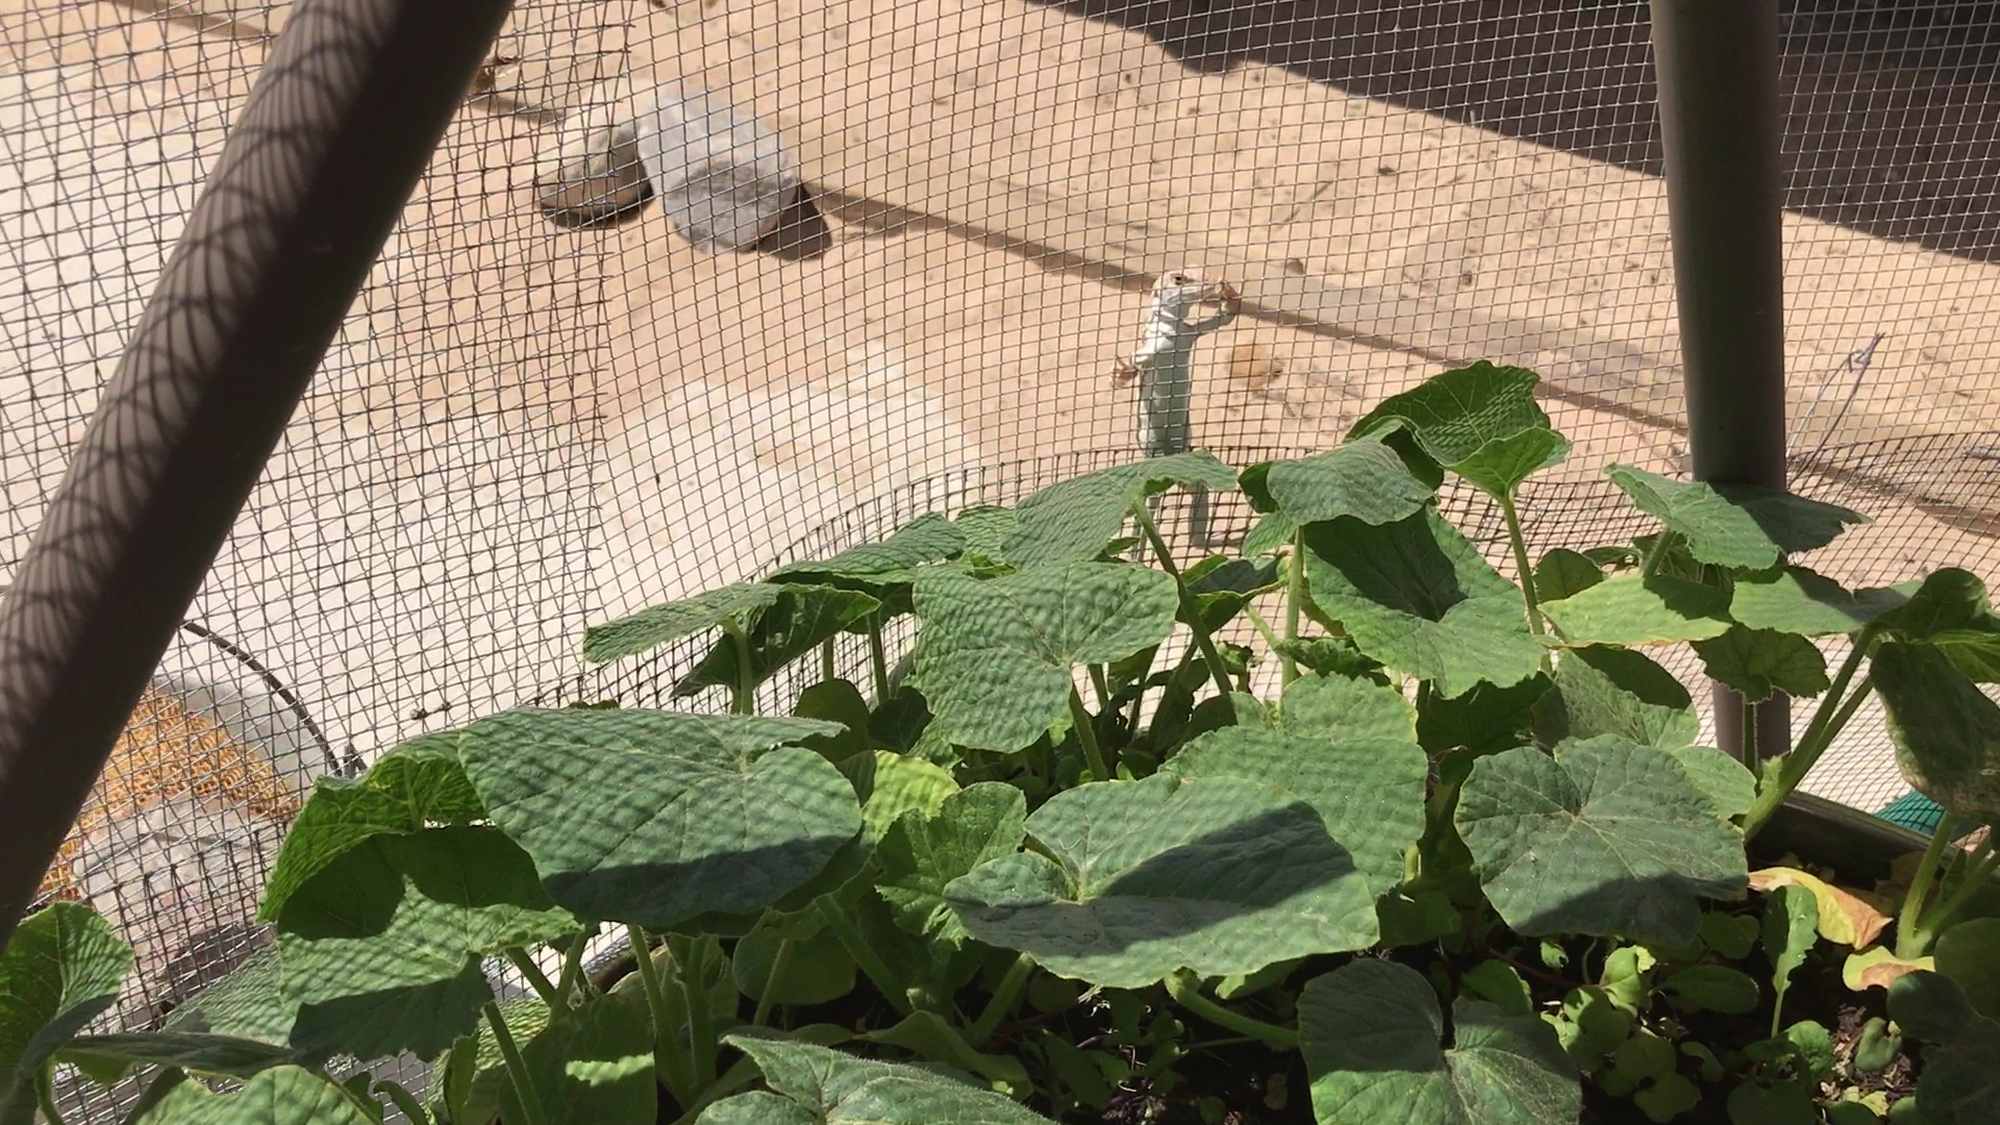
column 550, row 406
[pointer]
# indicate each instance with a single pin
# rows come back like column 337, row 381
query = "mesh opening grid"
column 524, row 427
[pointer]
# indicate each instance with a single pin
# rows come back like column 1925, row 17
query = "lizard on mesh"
column 1163, row 367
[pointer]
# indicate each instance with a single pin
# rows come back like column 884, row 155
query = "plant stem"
column 537, row 980
column 517, row 1070
column 45, row 1094
column 1001, row 1004
column 826, row 668
column 1980, row 869
column 870, row 962
column 743, row 700
column 1523, row 567
column 666, row 1032
column 1264, row 629
column 1086, row 734
column 1748, row 750
column 1793, row 767
column 878, row 659
column 1911, row 915
column 1658, row 555
column 573, row 976
column 1216, row 668
column 691, row 963
column 781, row 963
column 1185, row 988
column 1101, row 685
column 1295, row 600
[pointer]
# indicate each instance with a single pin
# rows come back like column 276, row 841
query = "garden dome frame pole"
column 338, row 128
column 1717, row 67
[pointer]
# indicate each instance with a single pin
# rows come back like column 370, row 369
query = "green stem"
column 870, row 962
column 573, row 976
column 1793, row 767
column 743, row 700
column 1295, row 600
column 1658, row 555
column 1086, row 734
column 1185, row 988
column 517, row 1070
column 1002, row 1002
column 1101, row 685
column 878, row 659
column 666, row 1030
column 1920, row 884
column 1264, row 630
column 691, row 963
column 781, row 963
column 1748, row 751
column 826, row 668
column 45, row 1094
column 537, row 980
column 1523, row 567
column 1216, row 668
column 1980, row 869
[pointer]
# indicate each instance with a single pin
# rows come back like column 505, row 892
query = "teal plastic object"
column 1914, row 811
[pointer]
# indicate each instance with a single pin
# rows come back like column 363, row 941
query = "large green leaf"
column 1417, row 596
column 1617, row 691
column 1613, row 839
column 1969, row 953
column 657, row 818
column 780, row 633
column 996, row 654
column 248, row 1003
column 883, row 568
column 1480, row 422
column 1369, row 791
column 670, row 621
column 1340, row 707
column 1793, row 599
column 285, row 1095
column 1364, row 479
column 381, row 950
column 107, row 1058
column 923, row 852
column 1135, row 879
column 1950, row 611
column 63, row 966
column 1960, row 1081
column 819, row 1086
column 1073, row 521
column 420, row 783
column 1946, row 731
column 1734, row 525
column 818, row 971
column 1372, row 1034
column 1485, row 719
column 1631, row 610
column 1761, row 662
column 986, row 528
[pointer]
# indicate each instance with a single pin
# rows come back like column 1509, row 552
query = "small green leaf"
column 1073, row 520
column 1630, row 610
column 1877, row 1048
column 1364, row 479
column 924, row 852
column 1563, row 572
column 819, row 972
column 1614, row 839
column 1333, row 656
column 1480, row 422
column 1371, row 1032
column 1369, row 792
column 1787, row 1103
column 1616, row 691
column 1627, row 977
column 1133, row 880
column 840, row 703
column 285, row 1095
column 1795, row 600
column 1734, row 525
column 1946, row 731
column 1730, row 935
column 1712, row 988
column 1791, row 926
column 795, row 624
column 1960, row 1080
column 1498, row 984
column 889, row 785
column 592, row 1066
column 996, row 656
column 816, row 1086
column 1812, row 1047
column 662, row 624
column 63, row 966
column 107, row 1058
column 986, row 527
column 1417, row 596
column 885, row 569
column 1760, row 662
column 931, row 1036
column 1666, row 1098
column 1591, row 1025
column 657, row 818
column 1341, row 707
column 1218, row 588
column 1969, row 953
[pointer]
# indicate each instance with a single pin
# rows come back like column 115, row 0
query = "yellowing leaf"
column 1844, row 916
column 1879, row 968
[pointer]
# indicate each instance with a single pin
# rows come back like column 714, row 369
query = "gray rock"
column 597, row 173
column 723, row 177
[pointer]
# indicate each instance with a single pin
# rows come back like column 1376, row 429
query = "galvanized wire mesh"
column 527, row 425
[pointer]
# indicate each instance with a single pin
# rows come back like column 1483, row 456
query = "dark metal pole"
column 336, row 132
column 1717, row 65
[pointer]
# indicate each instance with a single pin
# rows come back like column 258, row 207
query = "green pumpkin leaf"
column 795, row 624
column 996, row 657
column 986, row 527
column 1730, row 935
column 1630, row 610
column 1136, row 879
column 61, row 969
column 1734, row 525
column 1712, row 988
column 1614, row 839
column 663, row 624
column 1791, row 926
column 1722, row 780
column 1960, row 1081
column 1946, row 731
column 285, row 1095
column 1417, row 596
column 107, row 1058
column 1795, row 600
column 1563, row 572
column 1371, row 1032
column 840, row 703
column 587, row 1066
column 1969, row 953
column 923, row 852
column 814, row 1085
column 1760, row 662
column 1368, row 791
column 1343, row 707
column 657, row 818
column 248, row 1003
column 885, row 569
column 1218, row 588
column 1480, row 422
column 1617, row 691
column 1364, row 479
column 819, row 971
column 1950, row 611
column 381, row 950
column 1497, row 983
column 418, row 784
column 1072, row 521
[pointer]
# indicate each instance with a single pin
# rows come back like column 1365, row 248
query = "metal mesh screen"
column 529, row 424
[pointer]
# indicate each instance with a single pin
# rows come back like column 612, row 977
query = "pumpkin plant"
column 1465, row 862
